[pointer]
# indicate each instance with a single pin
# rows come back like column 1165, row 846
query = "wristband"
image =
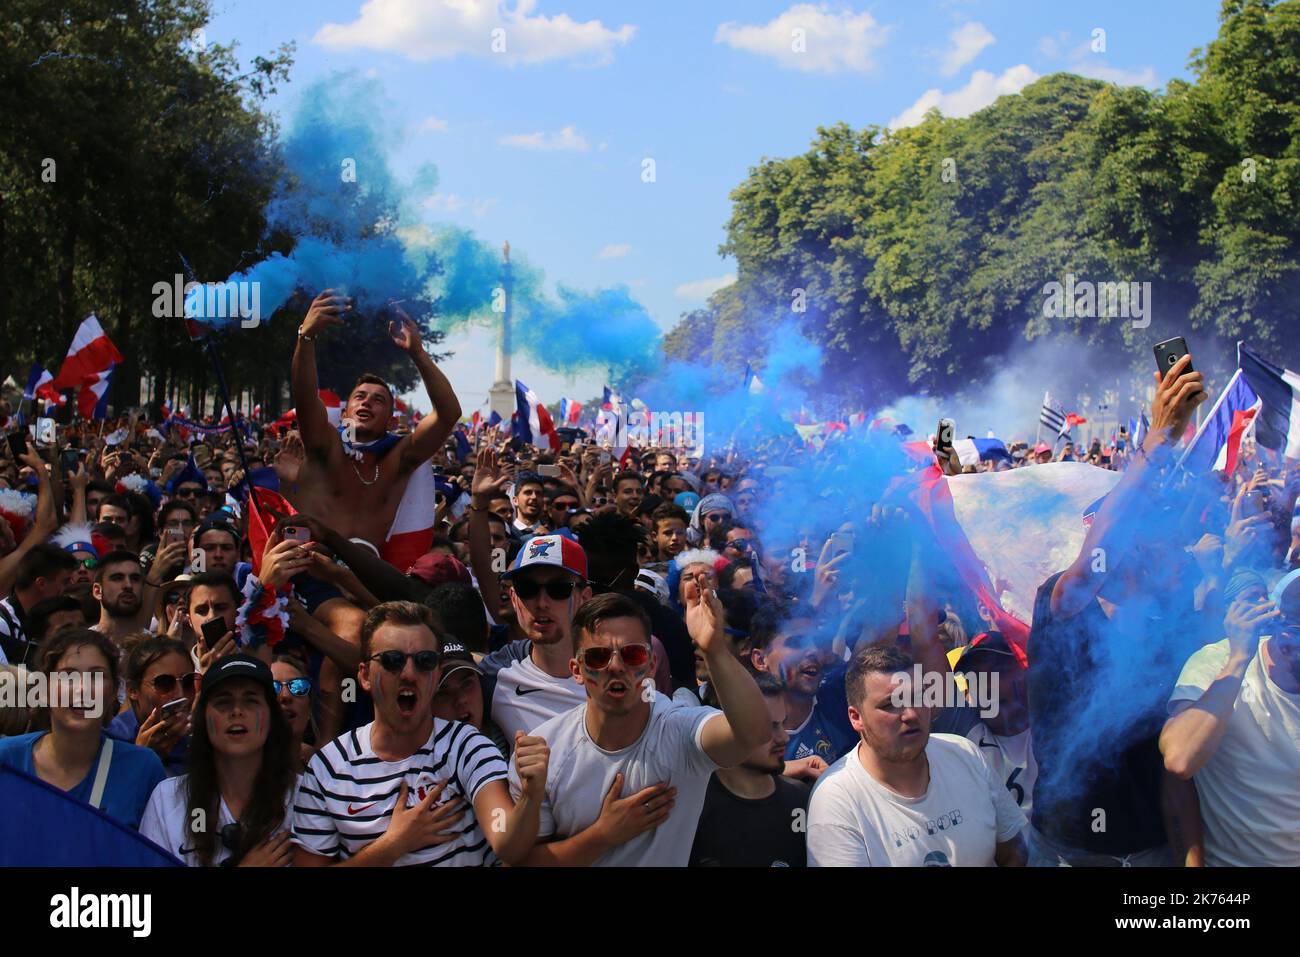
column 303, row 335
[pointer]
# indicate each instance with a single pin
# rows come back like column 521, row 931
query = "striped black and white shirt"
column 346, row 798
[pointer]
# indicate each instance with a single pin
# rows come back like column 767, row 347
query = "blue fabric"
column 53, row 830
column 827, row 733
column 133, row 775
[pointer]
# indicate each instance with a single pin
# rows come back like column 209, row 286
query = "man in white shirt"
column 410, row 788
column 627, row 739
column 1234, row 730
column 904, row 797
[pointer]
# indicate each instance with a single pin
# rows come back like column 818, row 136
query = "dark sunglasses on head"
column 301, row 686
column 395, row 661
column 528, row 590
column 598, row 659
column 166, row 684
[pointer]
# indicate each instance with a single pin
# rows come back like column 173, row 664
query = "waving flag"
column 40, row 384
column 91, row 356
column 611, row 401
column 973, row 451
column 1053, row 416
column 753, row 385
column 532, row 422
column 463, row 449
column 92, row 400
column 494, row 419
column 1218, row 440
column 569, row 411
column 1278, row 421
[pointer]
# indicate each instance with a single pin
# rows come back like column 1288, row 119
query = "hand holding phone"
column 172, row 708
column 296, row 533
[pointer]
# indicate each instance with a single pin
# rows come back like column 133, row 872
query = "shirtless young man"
column 361, row 495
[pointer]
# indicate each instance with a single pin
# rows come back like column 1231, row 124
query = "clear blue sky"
column 543, row 143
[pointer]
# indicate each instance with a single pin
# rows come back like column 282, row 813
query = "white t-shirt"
column 525, row 696
column 167, row 817
column 855, row 821
column 345, row 799
column 1011, row 759
column 580, row 774
column 1250, row 788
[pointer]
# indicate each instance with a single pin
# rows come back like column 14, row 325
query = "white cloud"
column 1083, row 60
column 982, row 90
column 567, row 139
column 444, row 29
column 433, row 124
column 703, row 288
column 615, row 251
column 968, row 40
column 813, row 38
column 444, row 203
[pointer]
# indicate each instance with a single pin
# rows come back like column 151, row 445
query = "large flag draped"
column 1007, row 532
column 1278, row 421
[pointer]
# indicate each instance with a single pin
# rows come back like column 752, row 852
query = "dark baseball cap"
column 236, row 666
column 456, row 657
column 986, row 643
column 435, row 568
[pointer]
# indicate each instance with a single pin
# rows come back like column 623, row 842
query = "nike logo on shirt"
column 358, row 810
column 521, row 690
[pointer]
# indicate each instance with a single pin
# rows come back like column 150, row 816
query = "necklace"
column 362, row 477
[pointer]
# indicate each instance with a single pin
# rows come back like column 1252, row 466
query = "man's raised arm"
column 1113, row 530
column 314, row 427
column 434, row 428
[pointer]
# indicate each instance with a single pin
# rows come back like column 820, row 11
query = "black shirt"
column 1096, row 706
column 741, row 832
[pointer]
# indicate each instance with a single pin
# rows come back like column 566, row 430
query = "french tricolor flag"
column 40, row 385
column 90, row 358
column 532, row 422
column 1218, row 441
column 1277, row 425
column 92, row 400
column 569, row 411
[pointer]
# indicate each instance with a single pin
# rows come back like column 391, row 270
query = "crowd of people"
column 614, row 661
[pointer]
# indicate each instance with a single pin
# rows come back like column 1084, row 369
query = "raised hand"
column 327, row 309
column 1177, row 395
column 705, row 620
column 1243, row 623
column 489, row 478
column 404, row 332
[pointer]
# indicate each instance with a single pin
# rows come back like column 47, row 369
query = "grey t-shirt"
column 580, row 774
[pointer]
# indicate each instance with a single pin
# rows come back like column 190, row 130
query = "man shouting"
column 359, row 478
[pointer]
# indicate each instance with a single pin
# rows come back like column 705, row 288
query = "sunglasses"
column 716, row 517
column 557, row 591
column 298, row 687
column 395, row 661
column 188, row 493
column 166, row 684
column 598, row 659
column 89, row 564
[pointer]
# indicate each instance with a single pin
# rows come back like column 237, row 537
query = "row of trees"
column 910, row 255
column 132, row 150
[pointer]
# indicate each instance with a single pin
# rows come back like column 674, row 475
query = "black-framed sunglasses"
column 598, row 658
column 189, row 492
column 556, row 591
column 231, row 835
column 299, row 687
column 89, row 564
column 394, row 661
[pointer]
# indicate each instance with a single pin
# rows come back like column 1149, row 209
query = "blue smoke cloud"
column 359, row 228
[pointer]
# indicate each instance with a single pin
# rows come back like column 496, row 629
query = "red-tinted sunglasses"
column 598, row 659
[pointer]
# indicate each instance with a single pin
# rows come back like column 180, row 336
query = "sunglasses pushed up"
column 395, row 661
column 598, row 659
